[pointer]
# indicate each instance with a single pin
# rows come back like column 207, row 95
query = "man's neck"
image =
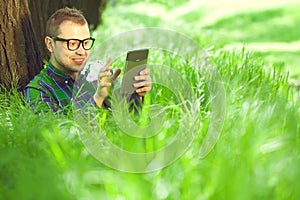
column 73, row 75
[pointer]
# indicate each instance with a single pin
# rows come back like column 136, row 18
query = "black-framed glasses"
column 74, row 44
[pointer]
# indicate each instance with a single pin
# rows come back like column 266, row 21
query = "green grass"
column 279, row 24
column 165, row 4
column 260, row 25
column 268, row 25
column 288, row 60
column 256, row 156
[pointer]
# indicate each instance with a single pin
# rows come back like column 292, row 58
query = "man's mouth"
column 78, row 60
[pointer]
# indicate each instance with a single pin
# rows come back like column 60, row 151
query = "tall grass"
column 256, row 156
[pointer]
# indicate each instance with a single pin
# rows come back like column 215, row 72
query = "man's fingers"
column 144, row 72
column 142, row 84
column 105, row 84
column 115, row 75
column 108, row 62
column 104, row 74
column 142, row 93
column 143, row 78
column 143, row 90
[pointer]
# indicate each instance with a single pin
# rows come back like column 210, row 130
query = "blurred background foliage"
column 268, row 28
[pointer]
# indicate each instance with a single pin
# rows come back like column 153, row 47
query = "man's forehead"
column 68, row 23
column 69, row 28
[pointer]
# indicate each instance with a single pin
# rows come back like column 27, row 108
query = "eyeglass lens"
column 86, row 44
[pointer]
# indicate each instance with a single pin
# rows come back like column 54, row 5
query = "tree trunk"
column 20, row 57
column 22, row 32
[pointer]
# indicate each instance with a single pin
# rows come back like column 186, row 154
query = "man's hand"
column 105, row 81
column 143, row 82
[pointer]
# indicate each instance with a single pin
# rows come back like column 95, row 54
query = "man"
column 69, row 42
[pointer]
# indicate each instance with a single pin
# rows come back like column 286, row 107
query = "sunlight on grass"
column 276, row 25
column 256, row 157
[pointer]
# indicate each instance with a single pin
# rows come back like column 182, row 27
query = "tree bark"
column 22, row 32
column 20, row 57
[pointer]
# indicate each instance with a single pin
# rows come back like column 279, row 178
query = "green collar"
column 57, row 71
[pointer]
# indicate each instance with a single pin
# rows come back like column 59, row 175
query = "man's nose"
column 80, row 50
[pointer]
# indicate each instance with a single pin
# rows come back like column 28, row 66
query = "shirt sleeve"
column 39, row 100
column 84, row 95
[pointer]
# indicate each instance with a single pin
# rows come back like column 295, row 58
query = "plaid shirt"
column 53, row 90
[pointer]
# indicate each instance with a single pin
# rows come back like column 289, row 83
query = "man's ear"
column 49, row 44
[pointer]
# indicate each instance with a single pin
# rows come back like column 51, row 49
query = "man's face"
column 70, row 62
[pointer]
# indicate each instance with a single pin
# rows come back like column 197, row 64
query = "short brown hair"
column 61, row 15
